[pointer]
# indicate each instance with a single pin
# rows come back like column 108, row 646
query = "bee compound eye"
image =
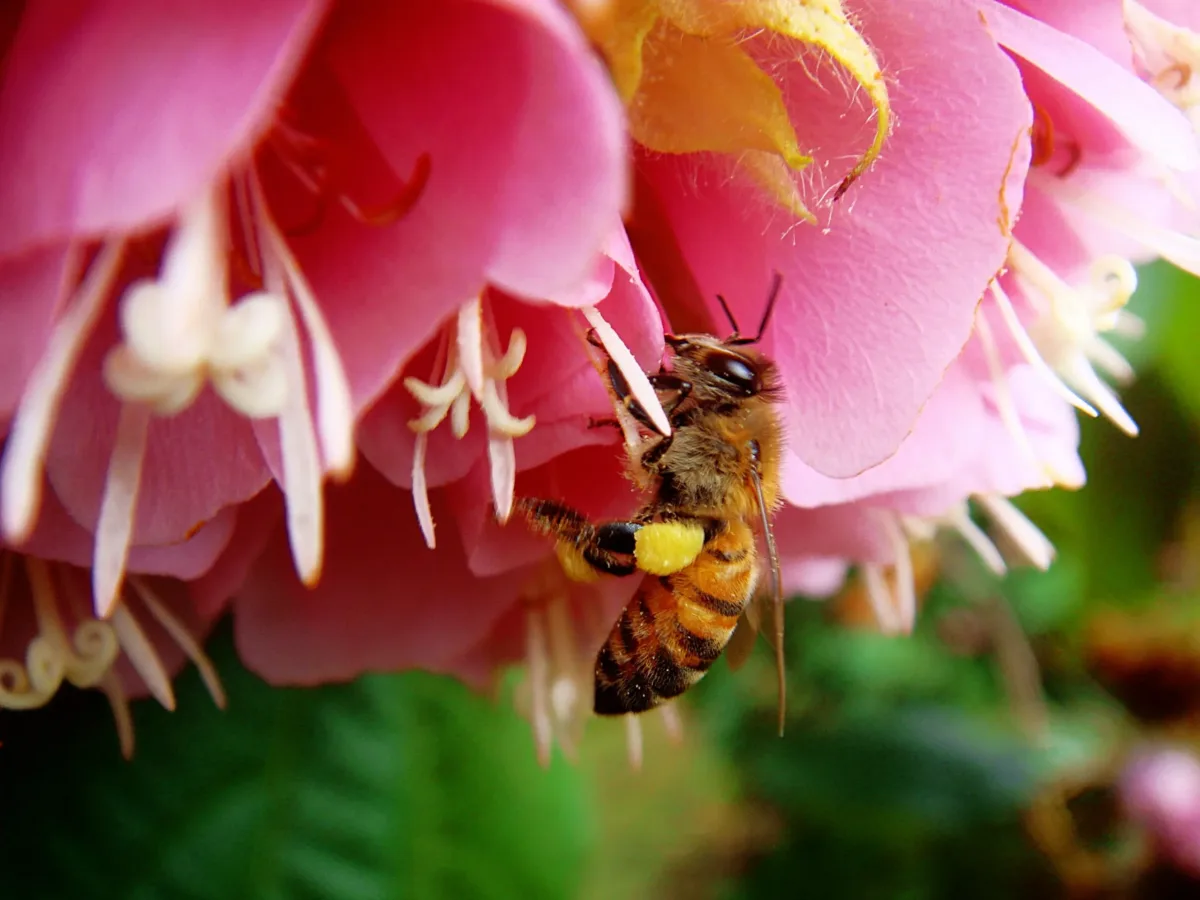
column 734, row 370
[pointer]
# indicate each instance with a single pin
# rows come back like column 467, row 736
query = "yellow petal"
column 820, row 23
column 663, row 548
column 773, row 176
column 620, row 30
column 706, row 94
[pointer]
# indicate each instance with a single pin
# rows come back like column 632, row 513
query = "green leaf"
column 392, row 786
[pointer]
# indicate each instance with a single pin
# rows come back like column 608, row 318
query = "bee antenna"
column 728, row 315
column 776, row 284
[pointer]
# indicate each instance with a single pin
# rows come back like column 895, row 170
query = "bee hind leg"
column 606, row 548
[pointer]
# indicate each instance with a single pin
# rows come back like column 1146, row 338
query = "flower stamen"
column 28, row 439
column 1017, row 527
column 471, row 366
column 1069, row 323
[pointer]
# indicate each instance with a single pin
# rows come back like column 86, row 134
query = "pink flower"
column 397, row 229
column 1160, row 788
column 208, row 284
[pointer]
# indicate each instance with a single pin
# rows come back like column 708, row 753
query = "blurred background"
column 990, row 755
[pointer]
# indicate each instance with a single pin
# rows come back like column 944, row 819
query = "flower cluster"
column 295, row 297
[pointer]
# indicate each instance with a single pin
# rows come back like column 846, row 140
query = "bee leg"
column 606, row 548
column 603, row 423
column 671, row 389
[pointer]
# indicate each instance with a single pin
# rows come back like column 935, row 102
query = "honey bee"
column 713, row 482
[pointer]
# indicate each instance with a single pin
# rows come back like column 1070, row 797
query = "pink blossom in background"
column 295, row 300
column 1160, row 788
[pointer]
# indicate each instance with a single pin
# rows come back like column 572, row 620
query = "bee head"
column 722, row 369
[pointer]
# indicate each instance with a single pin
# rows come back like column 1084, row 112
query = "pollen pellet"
column 663, row 548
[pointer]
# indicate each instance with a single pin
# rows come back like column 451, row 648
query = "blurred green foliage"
column 975, row 759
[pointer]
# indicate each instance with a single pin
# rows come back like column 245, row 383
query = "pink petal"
column 256, row 521
column 875, row 306
column 1100, row 23
column 59, row 537
column 946, row 437
column 848, row 531
column 527, row 167
column 112, row 114
column 384, row 602
column 29, row 286
column 1143, row 115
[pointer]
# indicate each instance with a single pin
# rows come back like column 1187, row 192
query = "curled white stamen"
column 639, row 384
column 1025, row 536
column 25, row 453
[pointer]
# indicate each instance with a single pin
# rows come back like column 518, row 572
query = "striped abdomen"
column 676, row 626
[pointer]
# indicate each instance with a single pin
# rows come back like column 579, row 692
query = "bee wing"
column 738, row 650
column 775, row 636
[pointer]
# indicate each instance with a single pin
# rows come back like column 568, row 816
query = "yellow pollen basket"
column 690, row 86
column 663, row 548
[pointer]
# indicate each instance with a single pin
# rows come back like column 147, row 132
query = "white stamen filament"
column 301, row 467
column 960, row 520
column 906, row 589
column 183, row 638
column 639, row 384
column 1030, row 352
column 1025, row 536
column 1005, row 404
column 471, row 366
column 118, row 506
column 1066, row 331
column 335, row 408
column 1170, row 53
column 672, row 723
column 110, row 684
column 882, row 603
column 143, row 657
column 29, row 437
column 635, row 744
column 537, row 660
column 302, row 471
